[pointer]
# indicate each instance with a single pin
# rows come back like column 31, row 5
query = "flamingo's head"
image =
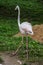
column 16, row 7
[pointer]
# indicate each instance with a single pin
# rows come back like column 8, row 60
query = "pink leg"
column 27, row 45
column 13, row 54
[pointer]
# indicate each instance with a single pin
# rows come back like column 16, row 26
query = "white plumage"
column 25, row 28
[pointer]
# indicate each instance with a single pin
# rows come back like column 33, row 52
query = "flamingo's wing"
column 26, row 26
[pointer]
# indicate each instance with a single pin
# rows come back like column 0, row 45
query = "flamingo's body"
column 25, row 28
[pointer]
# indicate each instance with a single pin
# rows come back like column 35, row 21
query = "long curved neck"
column 18, row 16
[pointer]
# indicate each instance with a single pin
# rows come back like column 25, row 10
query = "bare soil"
column 15, row 60
column 38, row 33
column 10, row 60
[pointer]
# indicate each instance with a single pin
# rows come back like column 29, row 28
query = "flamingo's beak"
column 16, row 7
column 32, row 33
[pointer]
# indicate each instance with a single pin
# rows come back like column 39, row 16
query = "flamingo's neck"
column 18, row 16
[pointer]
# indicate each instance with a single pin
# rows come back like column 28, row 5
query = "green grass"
column 31, row 10
column 8, row 28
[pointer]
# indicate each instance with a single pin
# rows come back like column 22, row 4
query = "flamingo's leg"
column 27, row 45
column 13, row 54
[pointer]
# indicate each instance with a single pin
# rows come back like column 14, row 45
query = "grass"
column 8, row 28
column 33, row 10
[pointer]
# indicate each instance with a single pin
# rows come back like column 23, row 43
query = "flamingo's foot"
column 12, row 54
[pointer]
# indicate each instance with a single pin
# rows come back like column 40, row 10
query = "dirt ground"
column 38, row 33
column 16, row 61
column 10, row 60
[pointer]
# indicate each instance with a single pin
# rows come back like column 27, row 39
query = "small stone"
column 19, row 62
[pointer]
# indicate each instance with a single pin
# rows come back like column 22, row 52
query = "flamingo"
column 25, row 28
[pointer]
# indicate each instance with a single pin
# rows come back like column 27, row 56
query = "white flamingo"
column 25, row 28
